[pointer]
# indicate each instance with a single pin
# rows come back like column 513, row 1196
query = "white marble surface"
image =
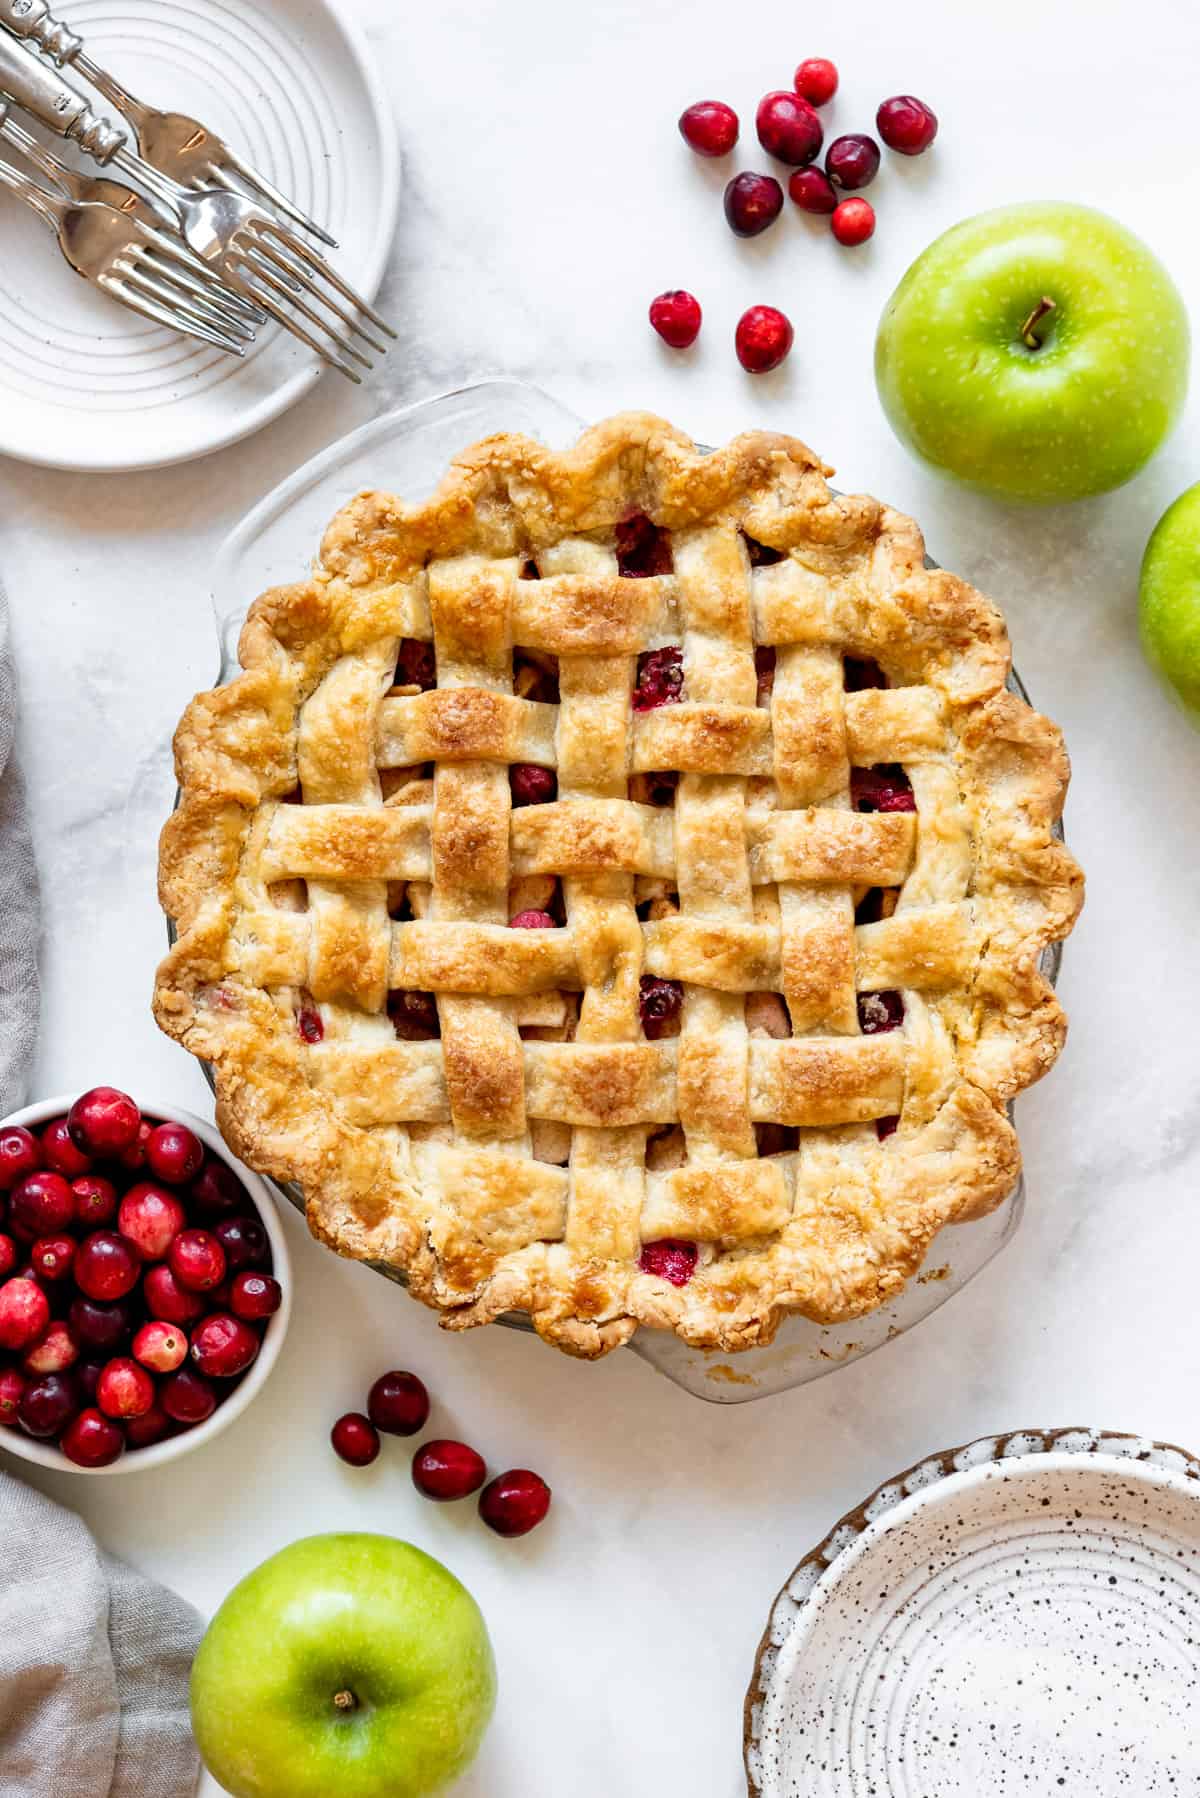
column 548, row 198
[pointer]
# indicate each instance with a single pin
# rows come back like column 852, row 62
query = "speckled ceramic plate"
column 1021, row 1616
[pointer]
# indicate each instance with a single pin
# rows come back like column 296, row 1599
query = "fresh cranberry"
column 19, row 1156
column 355, row 1439
column 812, row 191
column 174, row 1153
column 885, row 788
column 659, row 1002
column 398, row 1403
column 149, row 1428
column 168, row 1301
column 124, row 1389
column 659, row 679
column 861, row 672
column 100, row 1327
column 763, row 339
column 254, row 1296
column 197, row 1260
column 223, row 1346
column 853, row 222
column 106, row 1266
column 643, row 548
column 669, row 1259
column 53, row 1352
column 12, row 1390
column 752, row 202
column 103, row 1122
column 676, row 317
column 48, row 1404
column 60, row 1153
column 150, row 1219
column 243, row 1240
column 709, row 127
column 853, row 160
column 416, row 664
column 95, row 1200
column 906, row 124
column 187, row 1397
column 52, row 1257
column 161, row 1347
column 531, row 785
column 447, row 1470
column 216, row 1189
column 788, row 127
column 878, row 1012
column 414, row 1016
column 816, row 80
column 134, row 1157
column 514, row 1503
column 42, row 1205
column 532, row 920
column 309, row 1024
column 24, row 1313
column 92, row 1440
column 8, row 1256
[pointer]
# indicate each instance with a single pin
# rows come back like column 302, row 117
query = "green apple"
column 1169, row 599
column 1039, row 352
column 346, row 1666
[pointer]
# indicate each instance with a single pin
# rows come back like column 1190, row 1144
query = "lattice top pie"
column 614, row 890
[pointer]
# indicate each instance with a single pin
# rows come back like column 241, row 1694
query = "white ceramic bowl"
column 46, row 1454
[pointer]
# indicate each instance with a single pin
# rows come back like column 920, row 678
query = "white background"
column 548, row 198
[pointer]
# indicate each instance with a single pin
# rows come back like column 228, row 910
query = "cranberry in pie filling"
column 659, row 679
column 885, row 788
column 660, row 1002
column 670, row 1260
column 414, row 1016
column 531, row 785
column 642, row 549
column 879, row 1011
column 416, row 664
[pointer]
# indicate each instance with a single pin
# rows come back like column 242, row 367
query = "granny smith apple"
column 346, row 1666
column 1169, row 599
column 1039, row 352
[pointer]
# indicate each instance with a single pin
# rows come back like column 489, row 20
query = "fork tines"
column 275, row 269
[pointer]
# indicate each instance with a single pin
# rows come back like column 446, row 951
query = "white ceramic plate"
column 85, row 384
column 1021, row 1616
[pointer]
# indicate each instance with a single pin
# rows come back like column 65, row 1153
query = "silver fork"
column 171, row 142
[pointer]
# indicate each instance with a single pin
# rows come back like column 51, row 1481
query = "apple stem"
column 345, row 1701
column 1029, row 335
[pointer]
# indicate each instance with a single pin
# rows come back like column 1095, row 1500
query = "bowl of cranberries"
column 144, row 1283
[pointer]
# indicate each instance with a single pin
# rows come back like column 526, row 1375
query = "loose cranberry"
column 217, row 1189
column 816, row 80
column 763, row 339
column 878, row 1012
column 168, row 1301
column 19, row 1156
column 95, row 1200
column 60, row 1153
column 197, row 1260
column 92, row 1440
column 8, row 1256
column 161, row 1347
column 669, row 1259
column 187, row 1397
column 134, row 1156
column 676, row 317
column 103, row 1122
column 752, row 202
column 310, row 1025
column 174, row 1153
column 788, row 127
column 100, row 1327
column 861, row 672
column 48, row 1404
column 447, row 1470
column 42, row 1205
column 906, row 124
column 53, row 1352
column 659, row 1002
column 659, row 679
column 106, row 1266
column 12, row 1390
column 514, row 1503
column 149, row 1428
column 853, row 160
column 124, row 1389
column 709, row 127
column 643, row 548
column 416, row 664
column 254, row 1295
column 414, row 1016
column 52, row 1257
column 223, row 1346
column 355, row 1439
column 24, row 1313
column 150, row 1219
column 398, row 1403
column 813, row 191
column 243, row 1240
column 532, row 920
column 885, row 788
column 531, row 785
column 853, row 222
column 87, row 1377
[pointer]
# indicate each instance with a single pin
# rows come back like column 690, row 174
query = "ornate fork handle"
column 33, row 21
column 52, row 99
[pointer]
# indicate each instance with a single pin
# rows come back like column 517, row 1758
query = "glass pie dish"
column 407, row 452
